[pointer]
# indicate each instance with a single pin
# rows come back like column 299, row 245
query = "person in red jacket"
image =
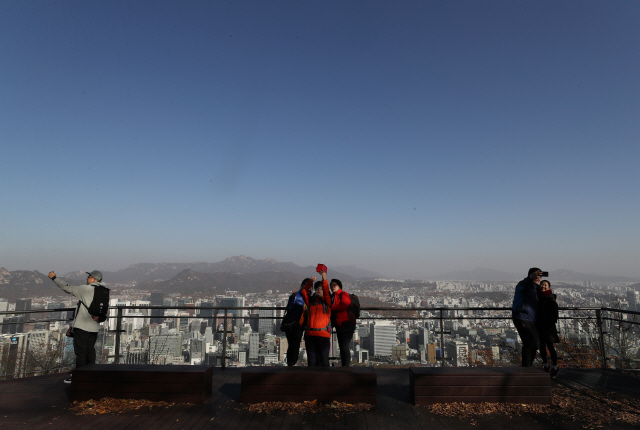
column 318, row 322
column 343, row 320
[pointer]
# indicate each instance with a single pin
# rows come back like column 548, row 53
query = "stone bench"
column 431, row 385
column 182, row 384
column 298, row 384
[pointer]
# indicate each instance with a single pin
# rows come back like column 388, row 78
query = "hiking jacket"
column 341, row 314
column 318, row 321
column 296, row 306
column 82, row 319
column 525, row 301
column 547, row 318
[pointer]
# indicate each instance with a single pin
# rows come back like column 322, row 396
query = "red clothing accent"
column 543, row 294
column 339, row 314
column 316, row 318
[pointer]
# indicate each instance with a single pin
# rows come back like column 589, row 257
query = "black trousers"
column 294, row 338
column 344, row 335
column 529, row 336
column 84, row 346
column 317, row 350
column 547, row 342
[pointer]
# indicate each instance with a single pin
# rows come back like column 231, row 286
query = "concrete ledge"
column 182, row 384
column 430, row 385
column 298, row 384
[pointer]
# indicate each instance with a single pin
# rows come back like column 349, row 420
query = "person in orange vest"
column 318, row 322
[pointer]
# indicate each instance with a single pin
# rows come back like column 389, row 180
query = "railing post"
column 441, row 339
column 116, row 352
column 224, row 341
column 601, row 339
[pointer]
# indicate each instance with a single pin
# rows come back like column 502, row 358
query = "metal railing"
column 599, row 321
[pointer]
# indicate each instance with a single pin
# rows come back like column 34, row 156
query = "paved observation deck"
column 43, row 403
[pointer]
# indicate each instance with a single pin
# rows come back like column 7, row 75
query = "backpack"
column 354, row 307
column 292, row 319
column 99, row 306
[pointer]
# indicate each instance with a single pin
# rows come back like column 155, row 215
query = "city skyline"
column 408, row 139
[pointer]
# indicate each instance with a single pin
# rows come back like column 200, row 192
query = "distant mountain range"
column 243, row 274
column 559, row 275
column 190, row 282
column 147, row 272
column 20, row 284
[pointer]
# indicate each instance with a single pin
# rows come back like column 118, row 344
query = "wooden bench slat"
column 306, row 380
column 431, row 400
column 482, row 380
column 253, row 398
column 155, row 397
column 157, row 387
column 298, row 390
column 483, row 391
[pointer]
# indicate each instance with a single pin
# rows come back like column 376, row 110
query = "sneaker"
column 553, row 372
column 67, row 381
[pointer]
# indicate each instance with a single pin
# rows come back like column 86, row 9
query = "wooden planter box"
column 298, row 384
column 431, row 385
column 182, row 384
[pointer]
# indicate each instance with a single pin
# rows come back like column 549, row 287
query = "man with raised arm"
column 85, row 326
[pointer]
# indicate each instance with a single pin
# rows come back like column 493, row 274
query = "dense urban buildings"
column 192, row 330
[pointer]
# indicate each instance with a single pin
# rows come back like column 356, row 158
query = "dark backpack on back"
column 354, row 307
column 99, row 306
column 295, row 311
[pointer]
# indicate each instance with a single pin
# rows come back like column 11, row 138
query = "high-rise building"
column 433, row 353
column 22, row 305
column 4, row 306
column 204, row 312
column 55, row 315
column 254, row 348
column 633, row 298
column 157, row 315
column 165, row 348
column 196, row 351
column 458, row 353
column 399, row 353
column 266, row 322
column 382, row 338
column 231, row 302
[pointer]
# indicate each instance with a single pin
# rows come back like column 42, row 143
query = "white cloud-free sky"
column 411, row 138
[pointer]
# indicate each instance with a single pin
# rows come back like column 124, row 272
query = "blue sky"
column 411, row 138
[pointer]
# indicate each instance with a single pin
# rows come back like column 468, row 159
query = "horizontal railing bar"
column 37, row 311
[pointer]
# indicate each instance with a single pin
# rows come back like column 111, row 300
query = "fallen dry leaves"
column 312, row 406
column 109, row 405
column 586, row 405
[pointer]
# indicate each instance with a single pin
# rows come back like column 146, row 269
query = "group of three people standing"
column 535, row 314
column 329, row 307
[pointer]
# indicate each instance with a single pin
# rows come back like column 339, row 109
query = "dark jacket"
column 525, row 301
column 547, row 318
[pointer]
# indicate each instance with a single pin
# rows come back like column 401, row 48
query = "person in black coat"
column 546, row 323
